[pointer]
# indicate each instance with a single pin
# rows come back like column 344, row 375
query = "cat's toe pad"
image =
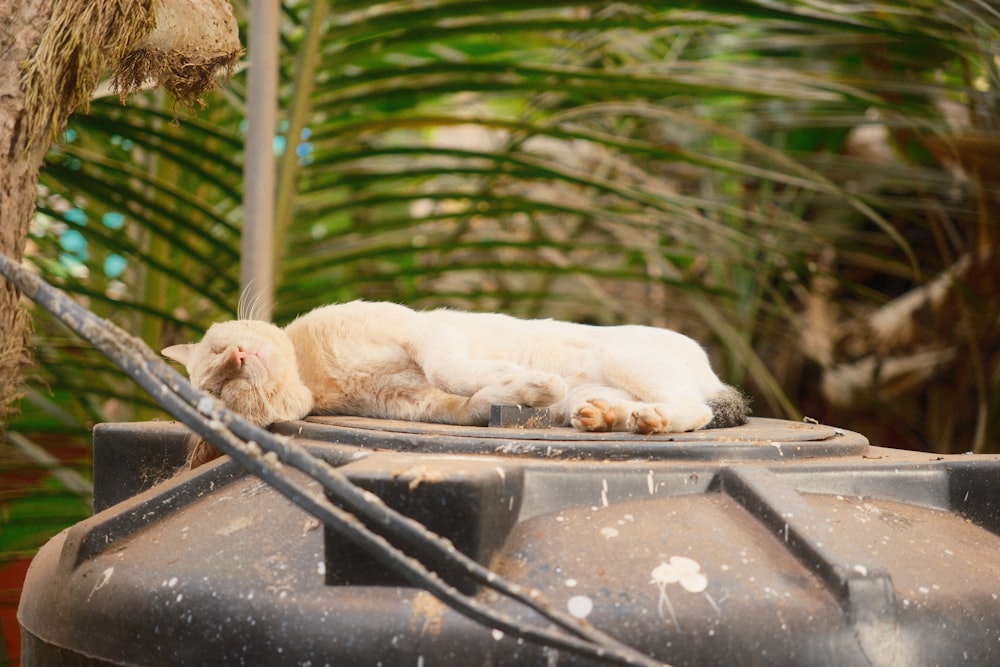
column 594, row 415
column 648, row 419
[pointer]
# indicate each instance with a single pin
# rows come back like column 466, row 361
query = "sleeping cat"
column 374, row 359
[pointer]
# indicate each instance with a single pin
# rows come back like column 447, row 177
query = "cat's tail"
column 730, row 407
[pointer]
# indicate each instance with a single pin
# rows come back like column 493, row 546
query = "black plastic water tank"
column 775, row 543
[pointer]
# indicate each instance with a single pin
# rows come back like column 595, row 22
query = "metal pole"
column 257, row 244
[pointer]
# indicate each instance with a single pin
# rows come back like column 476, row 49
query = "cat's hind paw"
column 594, row 415
column 675, row 417
column 647, row 419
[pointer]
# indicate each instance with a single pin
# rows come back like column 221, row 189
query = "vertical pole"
column 257, row 245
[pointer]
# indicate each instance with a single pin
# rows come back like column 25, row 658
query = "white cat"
column 384, row 360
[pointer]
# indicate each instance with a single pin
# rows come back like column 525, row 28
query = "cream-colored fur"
column 385, row 360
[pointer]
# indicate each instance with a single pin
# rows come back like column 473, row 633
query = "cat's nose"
column 238, row 355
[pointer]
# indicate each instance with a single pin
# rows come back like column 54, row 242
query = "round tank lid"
column 759, row 439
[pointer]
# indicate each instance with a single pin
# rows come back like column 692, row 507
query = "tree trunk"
column 52, row 55
column 21, row 153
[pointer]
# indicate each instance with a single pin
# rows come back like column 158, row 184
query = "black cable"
column 263, row 454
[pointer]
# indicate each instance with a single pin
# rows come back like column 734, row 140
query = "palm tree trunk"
column 21, row 152
column 52, row 55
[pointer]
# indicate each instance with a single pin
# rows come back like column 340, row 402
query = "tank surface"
column 774, row 543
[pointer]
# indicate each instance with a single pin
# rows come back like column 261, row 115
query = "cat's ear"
column 179, row 353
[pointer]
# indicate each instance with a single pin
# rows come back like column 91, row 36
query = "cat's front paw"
column 533, row 389
column 538, row 390
column 594, row 415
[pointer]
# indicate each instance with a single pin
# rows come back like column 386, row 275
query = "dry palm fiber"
column 177, row 44
column 83, row 40
column 191, row 42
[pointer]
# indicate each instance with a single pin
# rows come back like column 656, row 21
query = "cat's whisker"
column 256, row 304
column 252, row 303
column 250, row 306
column 248, row 302
column 241, row 305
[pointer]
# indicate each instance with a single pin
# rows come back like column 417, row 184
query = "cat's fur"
column 385, row 360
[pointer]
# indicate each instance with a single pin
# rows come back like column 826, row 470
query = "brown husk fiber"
column 83, row 40
column 179, row 44
column 186, row 79
column 192, row 42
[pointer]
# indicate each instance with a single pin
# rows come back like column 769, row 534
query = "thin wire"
column 265, row 454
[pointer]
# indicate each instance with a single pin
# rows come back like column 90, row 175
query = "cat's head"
column 251, row 366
